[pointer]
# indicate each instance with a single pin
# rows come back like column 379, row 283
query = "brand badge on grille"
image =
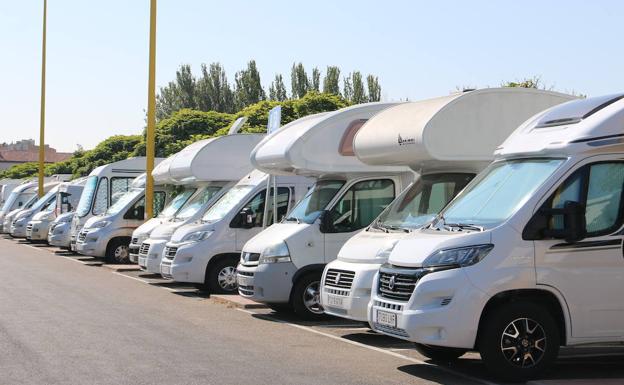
column 391, row 283
column 337, row 279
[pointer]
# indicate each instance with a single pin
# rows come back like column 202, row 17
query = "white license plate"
column 333, row 300
column 165, row 269
column 386, row 318
column 244, row 281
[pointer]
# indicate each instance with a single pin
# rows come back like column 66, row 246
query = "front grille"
column 170, row 252
column 82, row 237
column 390, row 306
column 390, row 330
column 29, row 227
column 343, row 293
column 398, row 284
column 134, row 241
column 339, row 278
column 144, row 248
column 245, row 273
column 246, row 290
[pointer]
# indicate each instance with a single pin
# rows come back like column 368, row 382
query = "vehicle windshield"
column 422, row 201
column 33, row 199
column 44, row 200
column 198, row 201
column 176, row 203
column 315, row 201
column 124, row 201
column 10, row 200
column 88, row 193
column 227, row 203
column 498, row 192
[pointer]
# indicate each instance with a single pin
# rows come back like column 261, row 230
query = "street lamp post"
column 151, row 114
column 42, row 108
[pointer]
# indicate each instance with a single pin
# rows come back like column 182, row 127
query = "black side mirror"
column 247, row 218
column 573, row 223
column 327, row 224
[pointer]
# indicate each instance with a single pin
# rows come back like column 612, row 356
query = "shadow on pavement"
column 434, row 374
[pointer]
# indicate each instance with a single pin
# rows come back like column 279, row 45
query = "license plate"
column 333, row 300
column 165, row 270
column 386, row 318
column 244, row 281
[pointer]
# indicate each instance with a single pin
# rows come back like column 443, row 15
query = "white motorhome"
column 67, row 197
column 44, row 204
column 108, row 235
column 205, row 170
column 104, row 185
column 528, row 257
column 19, row 199
column 282, row 266
column 447, row 141
column 59, row 232
column 6, row 186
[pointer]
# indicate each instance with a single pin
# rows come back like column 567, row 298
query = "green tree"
column 277, row 91
column 347, row 88
column 534, row 82
column 213, row 90
column 359, row 93
column 315, row 82
column 374, row 89
column 331, row 83
column 248, row 86
column 298, row 81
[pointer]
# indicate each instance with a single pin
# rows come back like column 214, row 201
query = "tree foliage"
column 331, row 83
column 374, row 89
column 248, row 86
column 298, row 81
column 277, row 91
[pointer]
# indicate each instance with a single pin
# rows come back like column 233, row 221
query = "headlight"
column 384, row 252
column 196, row 236
column 458, row 257
column 275, row 254
column 100, row 224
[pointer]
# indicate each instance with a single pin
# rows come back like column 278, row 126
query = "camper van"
column 6, row 186
column 447, row 141
column 44, row 204
column 59, row 231
column 205, row 171
column 104, row 186
column 19, row 199
column 67, row 197
column 108, row 235
column 528, row 257
column 282, row 266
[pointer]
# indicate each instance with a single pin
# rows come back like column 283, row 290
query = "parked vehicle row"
column 490, row 220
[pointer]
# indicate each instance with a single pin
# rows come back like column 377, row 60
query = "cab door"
column 356, row 209
column 589, row 274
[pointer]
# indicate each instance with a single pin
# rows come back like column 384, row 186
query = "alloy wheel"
column 227, row 278
column 312, row 298
column 523, row 343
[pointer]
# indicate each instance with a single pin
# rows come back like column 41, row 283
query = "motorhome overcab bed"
column 104, row 185
column 528, row 257
column 205, row 170
column 447, row 141
column 108, row 235
column 282, row 266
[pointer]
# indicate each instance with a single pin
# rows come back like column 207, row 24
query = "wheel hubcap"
column 523, row 343
column 121, row 253
column 227, row 278
column 312, row 298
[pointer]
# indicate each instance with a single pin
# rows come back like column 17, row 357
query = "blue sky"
column 97, row 51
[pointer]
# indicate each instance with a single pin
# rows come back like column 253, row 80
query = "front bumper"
column 267, row 283
column 150, row 255
column 184, row 262
column 89, row 243
column 58, row 235
column 18, row 230
column 37, row 230
column 443, row 310
column 348, row 299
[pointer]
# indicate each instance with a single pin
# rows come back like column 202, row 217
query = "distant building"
column 26, row 151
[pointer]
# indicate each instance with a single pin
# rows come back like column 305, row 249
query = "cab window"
column 137, row 211
column 256, row 206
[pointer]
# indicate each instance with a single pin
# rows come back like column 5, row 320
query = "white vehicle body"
column 205, row 170
column 67, row 197
column 529, row 256
column 17, row 200
column 108, row 235
column 447, row 141
column 59, row 231
column 347, row 197
column 211, row 247
column 104, row 185
column 6, row 186
column 46, row 204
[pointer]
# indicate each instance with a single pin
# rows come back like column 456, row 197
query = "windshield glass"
column 84, row 205
column 44, row 200
column 315, row 201
column 227, row 203
column 422, row 201
column 9, row 202
column 123, row 201
column 177, row 202
column 498, row 192
column 198, row 201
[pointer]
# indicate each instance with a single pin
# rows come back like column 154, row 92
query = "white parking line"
column 376, row 349
column 173, row 290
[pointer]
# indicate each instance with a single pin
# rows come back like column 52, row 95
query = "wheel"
column 221, row 276
column 306, row 297
column 518, row 341
column 117, row 251
column 440, row 353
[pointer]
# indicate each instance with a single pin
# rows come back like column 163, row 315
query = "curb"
column 235, row 300
column 122, row 268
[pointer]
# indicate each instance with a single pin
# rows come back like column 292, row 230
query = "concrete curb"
column 121, row 268
column 234, row 300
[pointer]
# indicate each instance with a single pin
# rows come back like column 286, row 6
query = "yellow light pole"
column 42, row 110
column 151, row 114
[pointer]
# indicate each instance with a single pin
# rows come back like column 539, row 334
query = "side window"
column 283, row 198
column 101, row 197
column 119, row 186
column 256, row 207
column 137, row 211
column 159, row 202
column 361, row 204
column 599, row 187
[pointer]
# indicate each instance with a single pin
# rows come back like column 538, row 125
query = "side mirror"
column 20, row 204
column 326, row 223
column 247, row 218
column 574, row 225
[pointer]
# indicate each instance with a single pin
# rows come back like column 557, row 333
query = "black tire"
column 303, row 295
column 439, row 353
column 525, row 357
column 117, row 251
column 221, row 276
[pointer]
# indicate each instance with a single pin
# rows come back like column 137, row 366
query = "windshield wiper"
column 388, row 228
column 464, row 226
column 292, row 219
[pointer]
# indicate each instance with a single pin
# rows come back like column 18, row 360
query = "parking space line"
column 376, row 349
